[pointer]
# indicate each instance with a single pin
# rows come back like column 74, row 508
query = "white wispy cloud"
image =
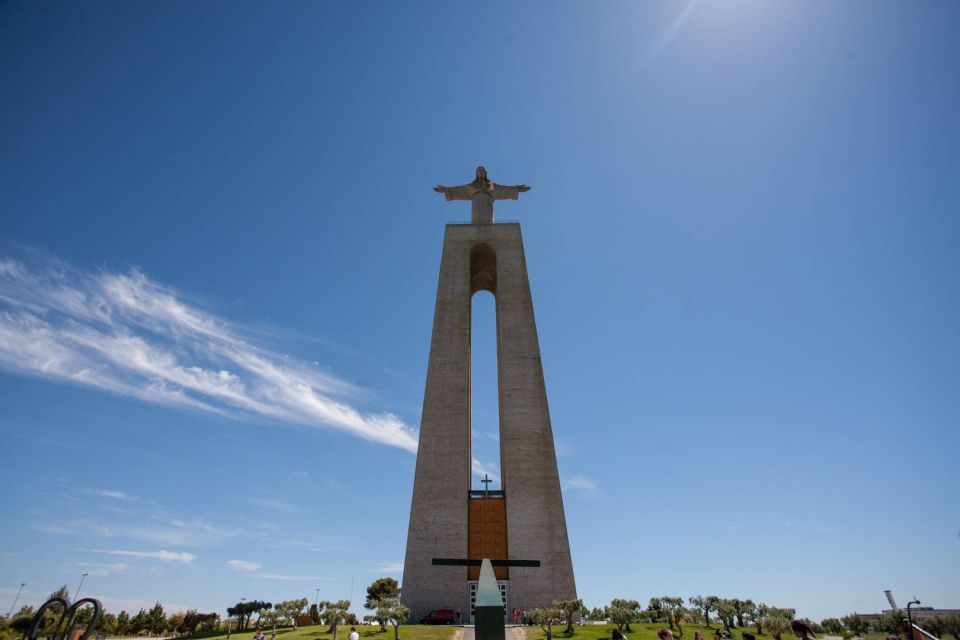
column 481, row 469
column 112, row 493
column 581, row 483
column 243, row 565
column 126, row 334
column 181, row 557
column 156, row 527
column 252, row 569
column 271, row 503
column 287, row 577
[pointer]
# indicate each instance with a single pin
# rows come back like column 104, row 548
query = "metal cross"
column 486, row 482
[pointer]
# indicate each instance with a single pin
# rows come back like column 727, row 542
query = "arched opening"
column 484, row 392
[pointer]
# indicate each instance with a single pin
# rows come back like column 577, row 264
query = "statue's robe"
column 482, row 197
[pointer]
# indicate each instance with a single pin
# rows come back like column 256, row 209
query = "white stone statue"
column 482, row 192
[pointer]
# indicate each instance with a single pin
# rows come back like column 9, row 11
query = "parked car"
column 439, row 616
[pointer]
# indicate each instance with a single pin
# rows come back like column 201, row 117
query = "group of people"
column 801, row 630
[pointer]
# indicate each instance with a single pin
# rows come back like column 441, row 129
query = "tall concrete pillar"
column 485, row 257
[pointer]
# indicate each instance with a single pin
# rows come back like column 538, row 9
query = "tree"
column 380, row 589
column 726, row 612
column 62, row 592
column 622, row 612
column 893, row 622
column 107, row 624
column 675, row 611
column 705, row 604
column 243, row 611
column 569, row 608
column 175, row 623
column 655, row 610
column 951, row 625
column 831, row 625
column 22, row 620
column 335, row 613
column 596, row 613
column 139, row 623
column 397, row 613
column 855, row 624
column 777, row 625
column 379, row 593
column 271, row 618
column 122, row 626
column 546, row 618
column 156, row 620
column 314, row 612
column 291, row 609
column 741, row 608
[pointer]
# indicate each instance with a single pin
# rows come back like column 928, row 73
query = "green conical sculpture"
column 488, row 609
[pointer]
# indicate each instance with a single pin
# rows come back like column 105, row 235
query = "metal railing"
column 483, row 494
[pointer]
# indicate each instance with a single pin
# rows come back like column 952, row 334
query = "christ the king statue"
column 482, row 191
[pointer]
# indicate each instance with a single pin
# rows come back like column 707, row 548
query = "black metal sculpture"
column 64, row 628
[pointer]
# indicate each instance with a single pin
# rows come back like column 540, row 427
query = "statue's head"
column 481, row 173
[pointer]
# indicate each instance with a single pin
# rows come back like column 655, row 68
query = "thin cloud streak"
column 180, row 557
column 126, row 334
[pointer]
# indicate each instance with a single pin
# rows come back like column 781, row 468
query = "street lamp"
column 76, row 596
column 14, row 605
column 910, row 617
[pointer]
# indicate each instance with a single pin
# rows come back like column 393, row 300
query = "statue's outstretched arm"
column 465, row 192
column 503, row 192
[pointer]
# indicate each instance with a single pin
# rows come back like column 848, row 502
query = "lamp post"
column 14, row 605
column 910, row 618
column 76, row 596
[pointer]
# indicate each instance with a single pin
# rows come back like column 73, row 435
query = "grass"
column 367, row 632
column 648, row 631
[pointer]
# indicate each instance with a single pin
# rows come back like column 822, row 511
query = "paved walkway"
column 514, row 632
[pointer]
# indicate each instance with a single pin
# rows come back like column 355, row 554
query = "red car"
column 439, row 616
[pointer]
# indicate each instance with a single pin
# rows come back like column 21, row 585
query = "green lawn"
column 367, row 632
column 647, row 631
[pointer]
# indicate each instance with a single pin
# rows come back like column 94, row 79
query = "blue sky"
column 219, row 258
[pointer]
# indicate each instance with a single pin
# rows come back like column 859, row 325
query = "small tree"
column 742, row 608
column 156, row 620
column 569, row 608
column 270, row 618
column 706, row 604
column 175, row 623
column 335, row 613
column 622, row 612
column 596, row 613
column 777, row 625
column 726, row 612
column 831, row 625
column 379, row 593
column 855, row 624
column 122, row 625
column 139, row 623
column 314, row 612
column 675, row 612
column 546, row 618
column 893, row 622
column 289, row 610
column 396, row 613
